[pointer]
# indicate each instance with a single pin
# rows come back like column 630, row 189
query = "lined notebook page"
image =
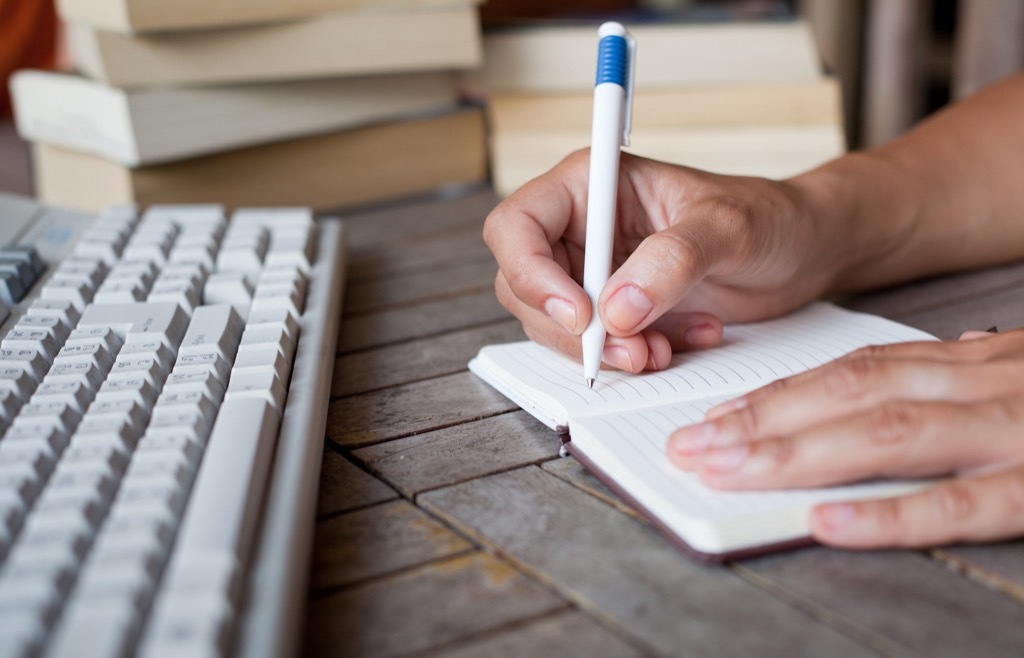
column 749, row 356
column 629, row 448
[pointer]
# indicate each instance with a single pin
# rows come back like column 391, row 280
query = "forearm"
column 948, row 195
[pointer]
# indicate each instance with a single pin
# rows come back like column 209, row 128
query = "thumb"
column 657, row 276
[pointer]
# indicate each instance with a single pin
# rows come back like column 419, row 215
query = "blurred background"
column 894, row 61
column 897, row 60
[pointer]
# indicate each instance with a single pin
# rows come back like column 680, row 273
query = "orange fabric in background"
column 28, row 38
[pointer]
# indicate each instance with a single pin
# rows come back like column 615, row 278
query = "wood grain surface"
column 449, row 527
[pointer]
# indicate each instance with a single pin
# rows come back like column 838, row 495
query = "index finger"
column 521, row 230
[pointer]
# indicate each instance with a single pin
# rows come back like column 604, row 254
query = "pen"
column 613, row 102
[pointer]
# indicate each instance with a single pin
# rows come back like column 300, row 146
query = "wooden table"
column 449, row 526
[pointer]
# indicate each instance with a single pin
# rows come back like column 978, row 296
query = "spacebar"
column 229, row 485
column 202, row 582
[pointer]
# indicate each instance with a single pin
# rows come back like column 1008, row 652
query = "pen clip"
column 627, row 123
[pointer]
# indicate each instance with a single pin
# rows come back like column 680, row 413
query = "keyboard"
column 164, row 379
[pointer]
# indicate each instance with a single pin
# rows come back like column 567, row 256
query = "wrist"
column 861, row 217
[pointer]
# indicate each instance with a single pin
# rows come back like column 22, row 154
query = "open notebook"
column 619, row 429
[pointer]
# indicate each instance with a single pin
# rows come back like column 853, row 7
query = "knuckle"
column 889, row 516
column 955, row 501
column 871, row 352
column 728, row 212
column 783, row 452
column 1014, row 496
column 675, row 254
column 747, row 420
column 894, row 423
column 577, row 158
column 773, row 388
column 517, row 278
column 493, row 231
column 503, row 292
column 851, row 376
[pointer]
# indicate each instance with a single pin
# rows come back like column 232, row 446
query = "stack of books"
column 743, row 98
column 322, row 103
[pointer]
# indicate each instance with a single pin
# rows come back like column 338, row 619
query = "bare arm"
column 948, row 195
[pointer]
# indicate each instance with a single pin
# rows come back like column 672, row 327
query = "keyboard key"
column 137, row 423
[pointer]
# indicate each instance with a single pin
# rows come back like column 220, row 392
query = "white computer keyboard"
column 163, row 393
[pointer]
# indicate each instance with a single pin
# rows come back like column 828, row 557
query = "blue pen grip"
column 612, row 57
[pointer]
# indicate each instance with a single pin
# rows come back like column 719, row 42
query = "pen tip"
column 590, row 382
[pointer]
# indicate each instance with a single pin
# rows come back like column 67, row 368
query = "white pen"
column 613, row 102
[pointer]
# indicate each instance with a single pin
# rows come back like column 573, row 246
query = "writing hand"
column 692, row 250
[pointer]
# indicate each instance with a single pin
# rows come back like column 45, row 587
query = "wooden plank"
column 456, row 278
column 421, row 609
column 937, row 292
column 391, row 413
column 623, row 573
column 565, row 634
column 378, row 540
column 418, row 321
column 1004, row 309
column 455, row 454
column 416, row 360
column 573, row 472
column 427, row 255
column 903, row 596
column 407, row 222
column 344, row 486
column 999, row 566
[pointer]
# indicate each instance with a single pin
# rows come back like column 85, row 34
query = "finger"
column 646, row 351
column 520, row 232
column 656, row 276
column 542, row 326
column 850, row 385
column 689, row 331
column 966, row 509
column 907, row 439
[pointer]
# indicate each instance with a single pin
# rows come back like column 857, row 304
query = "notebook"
column 619, row 429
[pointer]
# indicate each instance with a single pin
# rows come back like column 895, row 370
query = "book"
column 619, row 429
column 148, row 126
column 812, row 102
column 158, row 15
column 770, row 150
column 741, row 98
column 560, row 59
column 339, row 43
column 325, row 171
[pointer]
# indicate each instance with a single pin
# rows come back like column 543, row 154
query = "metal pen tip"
column 590, row 383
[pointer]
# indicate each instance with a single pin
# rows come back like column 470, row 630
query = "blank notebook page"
column 750, row 355
column 630, row 449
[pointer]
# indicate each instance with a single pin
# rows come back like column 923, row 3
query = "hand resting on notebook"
column 694, row 250
column 911, row 409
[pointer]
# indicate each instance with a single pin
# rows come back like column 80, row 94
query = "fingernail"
column 701, row 335
column 617, row 356
column 627, row 308
column 726, row 459
column 835, row 515
column 693, row 438
column 561, row 311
